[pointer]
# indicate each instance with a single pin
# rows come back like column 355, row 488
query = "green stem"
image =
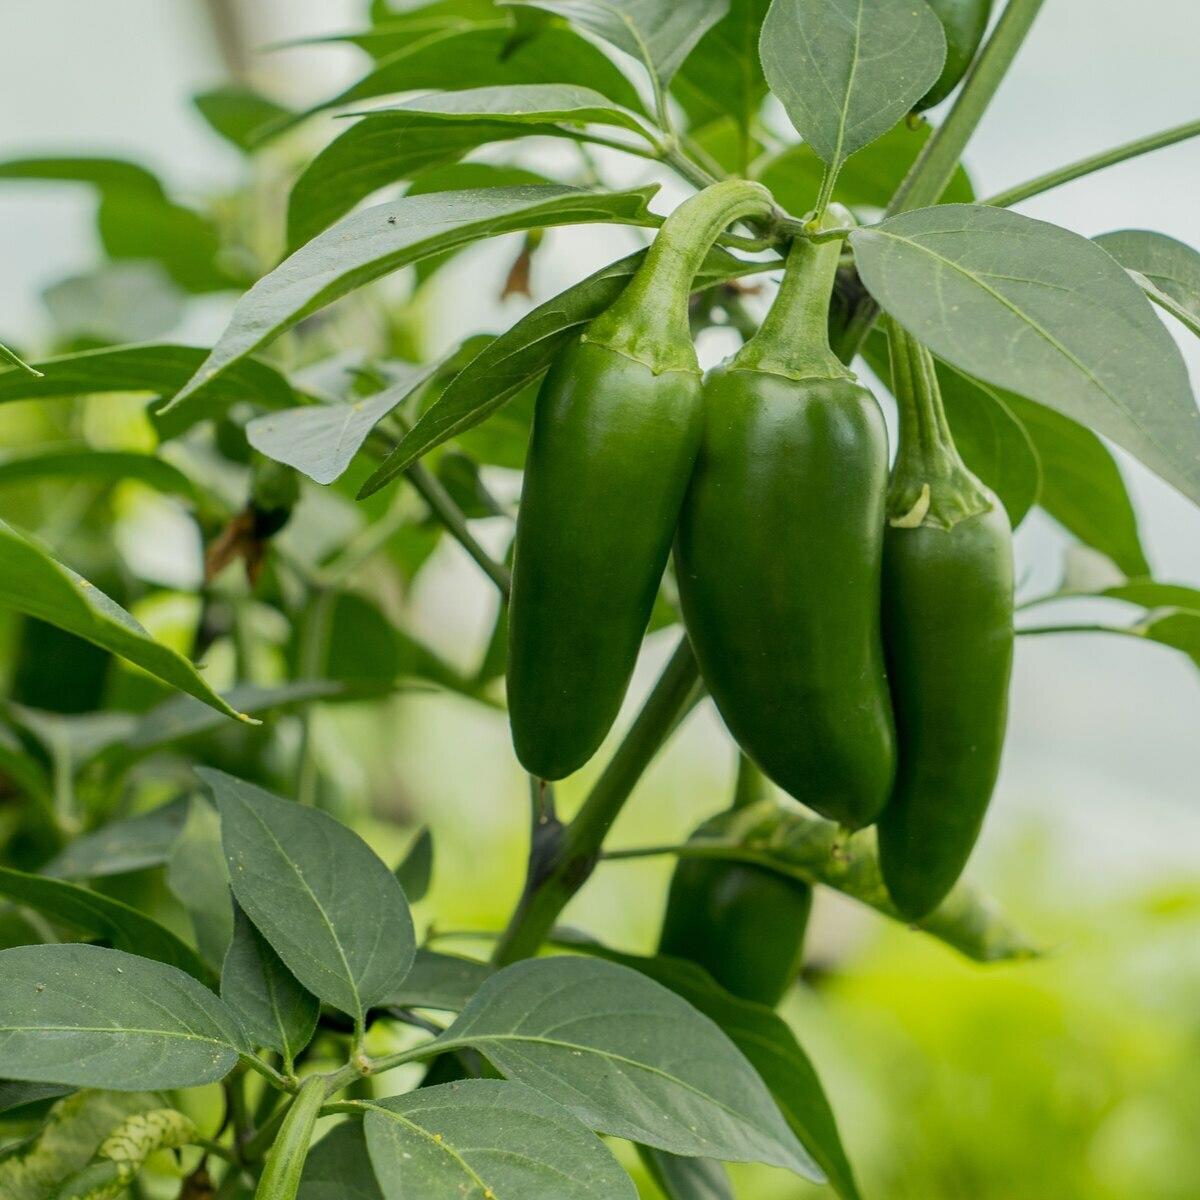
column 674, row 693
column 751, row 785
column 1094, row 162
column 314, row 650
column 280, row 1179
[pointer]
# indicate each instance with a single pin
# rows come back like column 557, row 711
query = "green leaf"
column 1082, row 488
column 441, row 981
column 1168, row 270
column 658, row 33
column 89, row 1017
column 131, row 844
column 846, row 71
column 629, row 1058
column 1044, row 313
column 239, row 114
column 318, row 893
column 321, row 440
column 1176, row 628
column 416, row 871
column 33, row 582
column 197, row 878
column 17, row 1095
column 487, row 1137
column 160, row 370
column 369, row 244
column 339, row 1167
column 1150, row 593
column 523, row 104
column 686, row 1178
column 769, row 1045
column 110, row 466
column 274, row 1009
column 13, row 359
column 515, row 359
column 113, row 303
column 868, row 180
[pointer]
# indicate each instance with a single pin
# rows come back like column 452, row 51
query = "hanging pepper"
column 779, row 553
column 965, row 22
column 948, row 631
column 743, row 924
column 615, row 432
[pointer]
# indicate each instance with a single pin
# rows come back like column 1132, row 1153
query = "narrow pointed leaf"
column 131, row 844
column 13, row 359
column 1042, row 312
column 488, row 1137
column 381, row 239
column 89, row 1017
column 440, row 981
column 275, row 1010
column 35, row 583
column 100, row 916
column 687, row 1178
column 329, row 907
column 416, row 871
column 107, row 466
column 846, row 71
column 629, row 1058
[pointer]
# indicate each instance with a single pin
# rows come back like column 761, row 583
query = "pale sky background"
column 1105, row 744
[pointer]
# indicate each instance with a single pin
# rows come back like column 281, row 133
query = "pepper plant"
column 857, row 641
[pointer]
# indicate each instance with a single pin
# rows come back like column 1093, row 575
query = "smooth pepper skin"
column 948, row 630
column 612, row 448
column 778, row 560
column 965, row 22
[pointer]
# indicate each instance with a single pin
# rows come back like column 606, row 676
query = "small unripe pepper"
column 615, row 432
column 965, row 22
column 948, row 633
column 743, row 924
column 779, row 554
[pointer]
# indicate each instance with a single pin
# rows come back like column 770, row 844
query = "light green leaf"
column 686, row 1178
column 238, row 114
column 658, row 33
column 101, row 1018
column 416, row 871
column 1176, row 628
column 515, row 359
column 110, row 466
column 339, row 1167
column 523, row 104
column 321, row 440
column 34, row 583
column 369, row 244
column 13, row 359
column 100, row 916
column 488, row 1137
column 131, row 844
column 1150, row 593
column 1167, row 269
column 629, row 1058
column 274, row 1009
column 318, row 893
column 441, row 981
column 115, row 302
column 846, row 71
column 1044, row 313
column 197, row 878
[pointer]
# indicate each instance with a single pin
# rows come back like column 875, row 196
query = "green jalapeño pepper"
column 948, row 632
column 965, row 23
column 743, row 924
column 615, row 432
column 779, row 555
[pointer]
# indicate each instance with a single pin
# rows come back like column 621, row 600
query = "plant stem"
column 671, row 697
column 314, row 650
column 1095, row 162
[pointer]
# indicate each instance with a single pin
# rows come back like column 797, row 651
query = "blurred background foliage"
column 1070, row 1078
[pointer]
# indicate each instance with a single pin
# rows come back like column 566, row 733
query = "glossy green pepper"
column 948, row 633
column 743, row 924
column 779, row 555
column 615, row 433
column 965, row 22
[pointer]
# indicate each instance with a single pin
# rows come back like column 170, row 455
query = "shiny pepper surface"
column 965, row 22
column 616, row 428
column 779, row 555
column 948, row 630
column 743, row 924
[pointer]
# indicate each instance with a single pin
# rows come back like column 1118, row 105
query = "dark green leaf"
column 318, row 893
column 132, row 844
column 846, row 71
column 238, row 113
column 88, row 1017
column 516, row 358
column 111, row 466
column 33, row 582
column 17, row 1095
column 339, row 1168
column 378, row 240
column 1044, row 313
column 627, row 1057
column 274, row 1009
column 488, row 1137
column 686, row 1178
column 1171, row 266
column 416, row 871
column 658, row 33
column 197, row 878
column 441, row 981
